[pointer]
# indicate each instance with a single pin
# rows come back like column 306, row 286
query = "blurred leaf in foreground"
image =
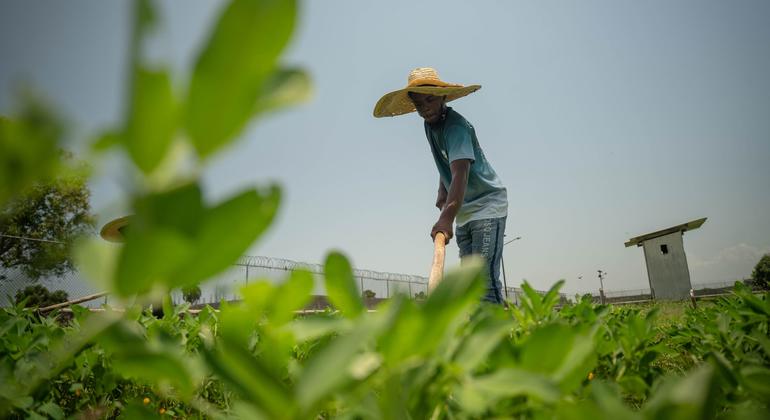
column 231, row 73
column 341, row 286
column 29, row 148
column 174, row 240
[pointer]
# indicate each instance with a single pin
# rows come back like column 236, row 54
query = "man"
column 470, row 192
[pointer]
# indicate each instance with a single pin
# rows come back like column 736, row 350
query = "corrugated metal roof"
column 694, row 224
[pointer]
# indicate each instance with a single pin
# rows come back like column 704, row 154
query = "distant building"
column 666, row 261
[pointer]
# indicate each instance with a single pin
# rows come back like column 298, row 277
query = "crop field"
column 446, row 357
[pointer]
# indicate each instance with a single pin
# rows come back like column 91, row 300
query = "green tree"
column 191, row 294
column 39, row 296
column 38, row 228
column 761, row 274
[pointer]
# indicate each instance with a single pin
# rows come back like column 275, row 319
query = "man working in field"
column 470, row 192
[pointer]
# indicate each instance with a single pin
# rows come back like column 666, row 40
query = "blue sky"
column 605, row 120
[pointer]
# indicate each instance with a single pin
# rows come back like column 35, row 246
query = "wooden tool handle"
column 439, row 252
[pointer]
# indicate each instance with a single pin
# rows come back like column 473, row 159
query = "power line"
column 31, row 239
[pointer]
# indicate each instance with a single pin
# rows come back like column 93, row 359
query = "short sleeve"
column 459, row 143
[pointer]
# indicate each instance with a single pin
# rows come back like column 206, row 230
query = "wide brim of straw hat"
column 113, row 231
column 399, row 103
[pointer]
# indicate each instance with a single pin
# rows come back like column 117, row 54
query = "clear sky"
column 605, row 120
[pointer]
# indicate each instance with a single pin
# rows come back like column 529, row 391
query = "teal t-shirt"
column 452, row 139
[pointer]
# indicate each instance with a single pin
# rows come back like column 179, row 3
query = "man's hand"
column 453, row 200
column 442, row 226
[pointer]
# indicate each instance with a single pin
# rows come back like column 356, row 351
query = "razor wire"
column 272, row 263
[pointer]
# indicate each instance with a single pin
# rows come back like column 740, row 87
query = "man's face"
column 428, row 106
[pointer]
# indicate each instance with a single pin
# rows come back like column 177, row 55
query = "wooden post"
column 437, row 269
column 72, row 302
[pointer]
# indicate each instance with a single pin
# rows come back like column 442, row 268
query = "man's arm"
column 442, row 194
column 454, row 201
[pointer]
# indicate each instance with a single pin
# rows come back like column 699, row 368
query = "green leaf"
column 250, row 378
column 333, row 366
column 237, row 323
column 551, row 297
column 561, row 351
column 756, row 379
column 477, row 345
column 460, row 287
column 232, row 69
column 547, row 348
column 173, row 240
column 151, row 122
column 633, row 385
column 405, row 337
column 29, row 148
column 603, row 404
column 480, row 393
column 315, row 327
column 31, row 415
column 419, row 330
column 285, row 87
column 156, row 368
column 52, row 409
column 724, row 368
column 107, row 140
column 226, row 232
column 693, row 396
column 137, row 411
column 341, row 285
column 579, row 361
column 150, row 258
column 146, row 17
column 291, row 296
column 179, row 209
column 97, row 260
column 610, row 403
column 531, row 302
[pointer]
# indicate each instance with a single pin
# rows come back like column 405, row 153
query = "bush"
column 39, row 296
column 369, row 294
column 761, row 274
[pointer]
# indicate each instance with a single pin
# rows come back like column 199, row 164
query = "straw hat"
column 113, row 231
column 421, row 80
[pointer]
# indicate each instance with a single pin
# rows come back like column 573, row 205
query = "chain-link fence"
column 253, row 268
column 13, row 281
column 226, row 285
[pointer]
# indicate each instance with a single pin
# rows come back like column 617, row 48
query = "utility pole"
column 502, row 263
column 602, row 274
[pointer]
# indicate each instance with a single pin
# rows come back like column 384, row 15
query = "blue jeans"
column 485, row 238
